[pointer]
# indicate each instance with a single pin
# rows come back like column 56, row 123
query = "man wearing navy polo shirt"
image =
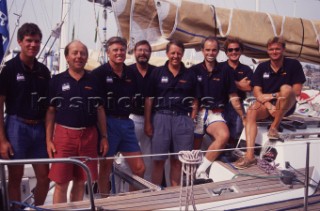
column 171, row 95
column 217, row 88
column 119, row 86
column 233, row 48
column 276, row 83
column 23, row 88
column 142, row 70
column 75, row 110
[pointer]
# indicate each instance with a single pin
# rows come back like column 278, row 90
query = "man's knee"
column 61, row 187
column 286, row 91
column 139, row 168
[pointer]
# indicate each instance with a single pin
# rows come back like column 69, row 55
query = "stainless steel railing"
column 4, row 191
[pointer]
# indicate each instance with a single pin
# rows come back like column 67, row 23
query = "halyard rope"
column 190, row 161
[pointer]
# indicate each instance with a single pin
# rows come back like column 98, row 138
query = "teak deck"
column 170, row 197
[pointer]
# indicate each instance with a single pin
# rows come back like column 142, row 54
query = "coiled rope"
column 190, row 161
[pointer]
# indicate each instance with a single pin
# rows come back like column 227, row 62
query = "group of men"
column 135, row 110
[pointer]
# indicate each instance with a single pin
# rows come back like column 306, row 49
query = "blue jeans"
column 27, row 141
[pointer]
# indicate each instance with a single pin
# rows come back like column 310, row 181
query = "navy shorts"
column 28, row 141
column 234, row 121
column 171, row 133
column 290, row 111
column 121, row 136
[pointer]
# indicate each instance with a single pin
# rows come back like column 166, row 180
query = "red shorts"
column 71, row 143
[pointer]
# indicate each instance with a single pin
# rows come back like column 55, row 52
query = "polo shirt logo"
column 65, row 86
column 199, row 77
column 183, row 81
column 109, row 80
column 164, row 79
column 216, row 79
column 88, row 88
column 20, row 77
column 240, row 72
column 266, row 75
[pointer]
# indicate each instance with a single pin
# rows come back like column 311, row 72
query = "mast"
column 64, row 34
column 257, row 5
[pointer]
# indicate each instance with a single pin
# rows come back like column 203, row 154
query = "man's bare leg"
column 105, row 168
column 136, row 165
column 175, row 171
column 157, row 172
column 42, row 187
column 77, row 191
column 285, row 101
column 219, row 133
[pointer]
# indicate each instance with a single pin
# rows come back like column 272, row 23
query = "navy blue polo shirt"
column 215, row 87
column 172, row 93
column 118, row 92
column 290, row 73
column 25, row 89
column 75, row 101
column 141, row 88
column 239, row 73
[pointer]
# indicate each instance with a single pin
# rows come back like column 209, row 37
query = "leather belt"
column 30, row 121
column 217, row 110
column 118, row 116
column 173, row 113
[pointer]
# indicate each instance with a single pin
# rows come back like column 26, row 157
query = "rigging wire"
column 275, row 7
column 47, row 18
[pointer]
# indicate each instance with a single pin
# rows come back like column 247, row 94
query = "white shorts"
column 204, row 119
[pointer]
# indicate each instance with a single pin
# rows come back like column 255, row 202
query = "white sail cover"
column 160, row 20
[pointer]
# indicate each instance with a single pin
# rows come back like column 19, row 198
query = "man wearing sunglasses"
column 242, row 75
column 276, row 83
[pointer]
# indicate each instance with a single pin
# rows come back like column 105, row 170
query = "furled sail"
column 190, row 21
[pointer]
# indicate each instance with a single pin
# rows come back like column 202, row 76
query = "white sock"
column 204, row 165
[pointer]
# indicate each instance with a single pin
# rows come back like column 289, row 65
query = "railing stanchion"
column 306, row 180
column 4, row 191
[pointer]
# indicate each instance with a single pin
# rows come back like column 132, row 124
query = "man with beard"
column 142, row 70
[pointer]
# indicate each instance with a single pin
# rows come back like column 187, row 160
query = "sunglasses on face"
column 233, row 49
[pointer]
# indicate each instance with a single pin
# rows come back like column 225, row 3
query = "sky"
column 47, row 14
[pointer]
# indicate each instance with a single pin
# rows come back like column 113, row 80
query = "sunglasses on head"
column 233, row 49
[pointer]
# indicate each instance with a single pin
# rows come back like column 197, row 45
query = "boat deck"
column 293, row 204
column 240, row 186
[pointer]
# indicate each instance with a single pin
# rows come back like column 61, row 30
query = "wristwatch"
column 274, row 95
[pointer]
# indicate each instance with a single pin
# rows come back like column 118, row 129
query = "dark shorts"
column 27, row 140
column 121, row 136
column 74, row 143
column 171, row 133
column 289, row 112
column 234, row 121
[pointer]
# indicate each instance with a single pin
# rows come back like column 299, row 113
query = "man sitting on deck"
column 276, row 83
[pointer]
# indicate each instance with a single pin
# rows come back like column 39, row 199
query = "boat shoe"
column 273, row 134
column 243, row 163
column 202, row 178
